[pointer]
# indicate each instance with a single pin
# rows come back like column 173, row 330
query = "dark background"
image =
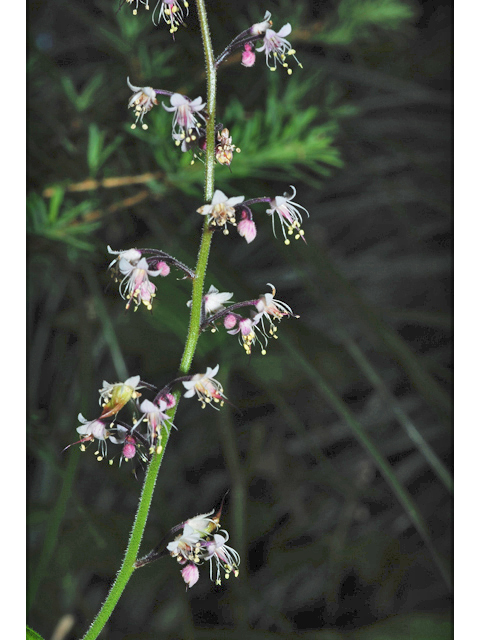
column 336, row 505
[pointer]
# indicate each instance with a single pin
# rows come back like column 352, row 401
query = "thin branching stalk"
column 138, row 528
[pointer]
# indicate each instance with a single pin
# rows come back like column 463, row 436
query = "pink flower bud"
column 230, row 321
column 163, row 268
column 248, row 56
column 169, row 399
column 129, row 448
column 190, row 574
column 247, row 229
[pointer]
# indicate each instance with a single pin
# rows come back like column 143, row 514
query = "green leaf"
column 33, row 635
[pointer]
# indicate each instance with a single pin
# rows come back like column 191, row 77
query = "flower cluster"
column 113, row 397
column 133, row 268
column 200, row 541
column 275, row 45
column 188, row 122
column 223, row 211
column 186, row 112
column 170, row 11
column 259, row 327
column 143, row 437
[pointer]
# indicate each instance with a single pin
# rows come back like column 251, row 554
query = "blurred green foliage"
column 337, row 446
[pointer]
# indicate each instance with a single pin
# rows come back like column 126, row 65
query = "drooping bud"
column 229, row 321
column 247, row 229
column 248, row 55
column 129, row 448
column 190, row 574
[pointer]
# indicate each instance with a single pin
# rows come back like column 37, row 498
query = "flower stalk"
column 131, row 553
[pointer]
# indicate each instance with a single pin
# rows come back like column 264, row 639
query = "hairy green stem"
column 138, row 528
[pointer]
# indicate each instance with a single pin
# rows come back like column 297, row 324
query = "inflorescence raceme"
column 143, row 436
column 275, row 45
column 133, row 268
column 188, row 122
column 222, row 211
column 195, row 542
column 259, row 328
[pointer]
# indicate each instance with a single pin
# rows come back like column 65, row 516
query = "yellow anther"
column 82, row 447
column 133, row 126
column 159, row 449
column 99, row 458
column 292, row 52
column 297, row 237
column 289, row 71
column 287, row 241
column 264, row 353
column 144, row 126
column 272, row 68
column 135, row 12
column 110, row 462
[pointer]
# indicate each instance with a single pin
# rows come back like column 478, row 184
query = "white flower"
column 131, row 255
column 221, row 210
column 267, row 306
column 275, row 45
column 184, row 544
column 114, row 397
column 224, row 557
column 143, row 99
column 261, row 27
column 95, row 428
column 155, row 417
column 171, row 12
column 185, row 123
column 135, row 285
column 214, row 300
column 203, row 524
column 206, row 387
column 289, row 215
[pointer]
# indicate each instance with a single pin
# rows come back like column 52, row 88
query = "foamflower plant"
column 136, row 418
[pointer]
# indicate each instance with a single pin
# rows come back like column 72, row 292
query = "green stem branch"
column 138, row 528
